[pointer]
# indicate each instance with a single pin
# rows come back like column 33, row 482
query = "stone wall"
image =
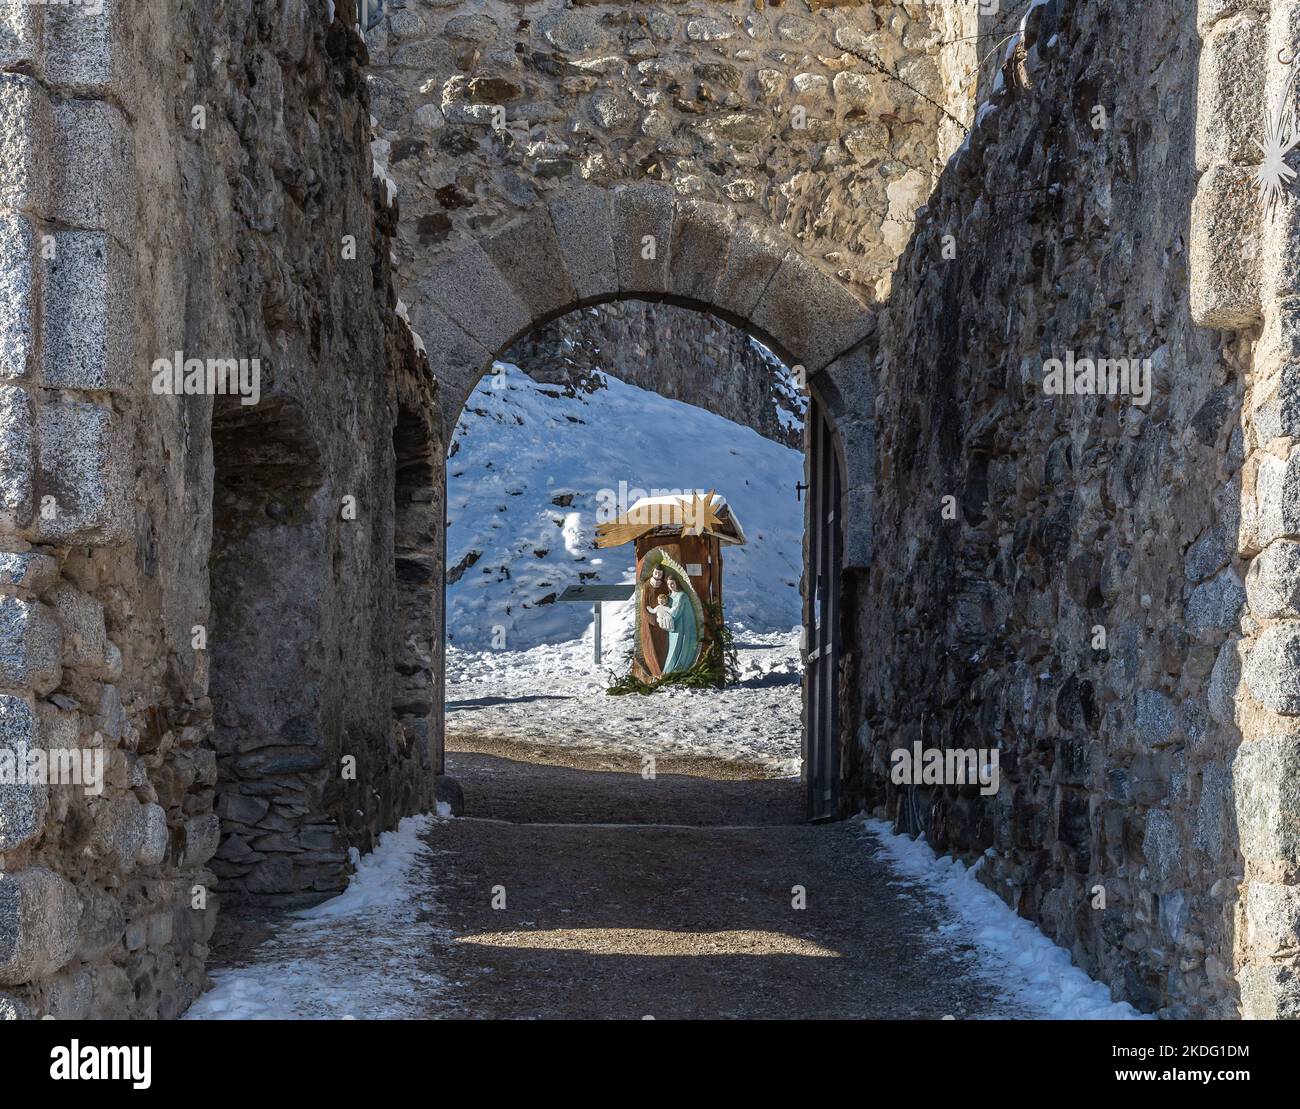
column 1245, row 281
column 185, row 581
column 822, row 125
column 678, row 353
column 1062, row 578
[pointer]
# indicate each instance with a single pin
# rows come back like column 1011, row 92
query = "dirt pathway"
column 622, row 897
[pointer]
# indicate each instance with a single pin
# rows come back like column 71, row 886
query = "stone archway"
column 641, row 242
column 638, row 241
column 586, row 247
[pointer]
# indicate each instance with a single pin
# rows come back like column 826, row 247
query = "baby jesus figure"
column 663, row 613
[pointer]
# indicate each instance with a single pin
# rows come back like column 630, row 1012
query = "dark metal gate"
column 821, row 755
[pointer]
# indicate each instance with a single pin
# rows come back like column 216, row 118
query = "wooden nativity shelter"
column 677, row 536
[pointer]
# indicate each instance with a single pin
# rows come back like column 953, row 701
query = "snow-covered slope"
column 531, row 468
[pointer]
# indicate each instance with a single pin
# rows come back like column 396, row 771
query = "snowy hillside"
column 531, row 468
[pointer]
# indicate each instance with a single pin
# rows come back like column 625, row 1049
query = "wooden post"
column 717, row 574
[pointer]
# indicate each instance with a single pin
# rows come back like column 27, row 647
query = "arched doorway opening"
column 588, row 246
column 813, row 564
column 270, row 563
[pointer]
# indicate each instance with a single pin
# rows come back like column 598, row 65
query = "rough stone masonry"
column 240, row 606
column 218, row 597
column 1111, row 600
column 676, row 352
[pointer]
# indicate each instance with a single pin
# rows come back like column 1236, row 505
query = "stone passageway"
column 575, row 887
column 258, row 257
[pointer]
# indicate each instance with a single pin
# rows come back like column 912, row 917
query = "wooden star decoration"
column 700, row 516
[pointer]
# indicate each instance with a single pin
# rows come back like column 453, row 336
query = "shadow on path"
column 609, row 905
column 489, row 702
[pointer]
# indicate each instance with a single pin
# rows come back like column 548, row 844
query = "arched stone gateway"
column 589, row 246
column 642, row 242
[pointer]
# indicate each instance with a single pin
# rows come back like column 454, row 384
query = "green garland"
column 717, row 664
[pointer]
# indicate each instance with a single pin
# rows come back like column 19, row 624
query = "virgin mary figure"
column 677, row 617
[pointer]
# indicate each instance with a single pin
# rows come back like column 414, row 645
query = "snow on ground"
column 555, row 696
column 356, row 956
column 1036, row 977
column 531, row 472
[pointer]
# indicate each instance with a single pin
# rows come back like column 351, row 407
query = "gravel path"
column 626, row 898
column 576, row 887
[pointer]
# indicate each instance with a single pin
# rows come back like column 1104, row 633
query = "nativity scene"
column 678, row 542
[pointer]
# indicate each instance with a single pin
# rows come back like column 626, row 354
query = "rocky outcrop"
column 688, row 356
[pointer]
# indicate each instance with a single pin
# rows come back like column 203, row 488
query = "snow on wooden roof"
column 677, row 514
